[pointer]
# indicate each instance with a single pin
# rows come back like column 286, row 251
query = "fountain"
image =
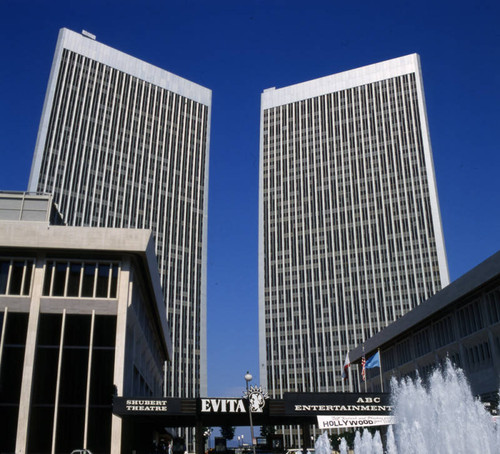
column 322, row 444
column 440, row 416
column 343, row 446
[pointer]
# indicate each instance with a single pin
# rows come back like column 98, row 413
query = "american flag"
column 363, row 370
column 347, row 364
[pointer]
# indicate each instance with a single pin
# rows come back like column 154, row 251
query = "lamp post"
column 207, row 434
column 248, row 378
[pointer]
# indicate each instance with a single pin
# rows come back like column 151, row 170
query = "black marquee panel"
column 315, row 404
column 294, row 408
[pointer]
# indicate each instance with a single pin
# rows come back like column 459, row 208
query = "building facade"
column 80, row 321
column 125, row 144
column 461, row 322
column 350, row 234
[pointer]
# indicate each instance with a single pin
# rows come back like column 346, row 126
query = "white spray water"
column 322, row 444
column 343, row 446
column 391, row 442
column 441, row 417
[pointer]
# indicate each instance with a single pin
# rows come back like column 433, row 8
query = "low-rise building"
column 82, row 319
column 461, row 322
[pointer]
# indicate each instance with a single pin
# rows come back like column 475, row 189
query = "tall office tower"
column 350, row 232
column 123, row 143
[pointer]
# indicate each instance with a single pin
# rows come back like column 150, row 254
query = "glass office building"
column 350, row 234
column 125, row 144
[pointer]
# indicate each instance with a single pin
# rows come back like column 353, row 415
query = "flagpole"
column 364, row 369
column 358, row 376
column 380, row 363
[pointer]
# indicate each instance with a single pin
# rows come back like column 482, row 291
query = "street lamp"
column 248, row 378
column 207, row 434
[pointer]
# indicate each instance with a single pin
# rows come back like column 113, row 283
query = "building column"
column 23, row 419
column 198, row 438
column 306, row 436
column 124, row 299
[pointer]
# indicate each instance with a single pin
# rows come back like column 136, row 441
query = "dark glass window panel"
column 101, row 384
column 77, row 330
column 13, row 358
column 105, row 331
column 74, row 279
column 49, row 329
column 88, row 280
column 99, row 432
column 59, row 279
column 114, row 281
column 17, row 325
column 4, row 275
column 46, row 282
column 11, row 374
column 8, row 423
column 27, row 278
column 16, row 278
column 74, row 376
column 45, row 375
column 102, row 281
column 70, row 428
column 40, row 433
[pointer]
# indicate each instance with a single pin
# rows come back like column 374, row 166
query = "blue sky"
column 239, row 48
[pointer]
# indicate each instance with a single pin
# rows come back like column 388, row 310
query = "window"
column 478, row 355
column 403, row 352
column 470, row 319
column 421, row 342
column 88, row 279
column 493, row 304
column 74, row 277
column 102, row 280
column 81, row 279
column 15, row 276
column 443, row 332
column 59, row 280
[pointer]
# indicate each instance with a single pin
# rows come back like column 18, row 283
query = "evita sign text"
column 222, row 406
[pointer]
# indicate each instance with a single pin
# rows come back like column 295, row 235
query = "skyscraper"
column 350, row 234
column 123, row 143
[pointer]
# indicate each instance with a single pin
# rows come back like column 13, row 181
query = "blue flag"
column 374, row 361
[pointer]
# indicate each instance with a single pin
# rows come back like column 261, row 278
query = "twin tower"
column 350, row 235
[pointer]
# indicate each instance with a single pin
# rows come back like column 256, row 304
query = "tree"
column 227, row 432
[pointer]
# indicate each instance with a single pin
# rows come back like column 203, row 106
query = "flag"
column 347, row 363
column 374, row 361
column 363, row 371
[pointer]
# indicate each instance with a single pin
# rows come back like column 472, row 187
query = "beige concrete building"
column 81, row 319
